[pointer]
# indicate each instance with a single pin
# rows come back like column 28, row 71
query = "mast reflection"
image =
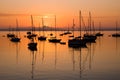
column 33, row 52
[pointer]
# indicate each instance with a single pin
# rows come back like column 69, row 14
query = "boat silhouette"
column 54, row 39
column 42, row 38
column 116, row 34
column 16, row 38
column 76, row 41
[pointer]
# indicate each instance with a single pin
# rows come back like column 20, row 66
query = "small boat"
column 10, row 35
column 99, row 34
column 62, row 42
column 42, row 38
column 29, row 36
column 67, row 32
column 116, row 34
column 28, row 32
column 71, row 36
column 76, row 42
column 54, row 40
column 16, row 38
column 61, row 34
column 51, row 34
column 89, row 38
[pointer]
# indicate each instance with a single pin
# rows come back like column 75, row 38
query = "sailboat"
column 10, row 34
column 16, row 38
column 99, row 33
column 31, row 34
column 42, row 38
column 32, row 45
column 67, row 32
column 54, row 39
column 89, row 37
column 77, row 42
column 116, row 34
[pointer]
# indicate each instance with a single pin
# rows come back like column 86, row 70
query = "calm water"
column 99, row 61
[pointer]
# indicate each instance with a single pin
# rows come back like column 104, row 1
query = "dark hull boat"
column 15, row 39
column 61, row 34
column 76, row 43
column 89, row 38
column 42, row 38
column 99, row 34
column 31, row 36
column 65, row 33
column 54, row 40
column 63, row 43
column 116, row 35
column 28, row 32
column 10, row 35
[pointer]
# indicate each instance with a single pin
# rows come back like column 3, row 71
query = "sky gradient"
column 104, row 11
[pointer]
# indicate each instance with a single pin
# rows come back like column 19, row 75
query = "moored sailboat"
column 99, row 33
column 10, row 34
column 54, row 39
column 116, row 34
column 32, row 33
column 77, row 42
column 16, row 38
column 89, row 37
column 42, row 38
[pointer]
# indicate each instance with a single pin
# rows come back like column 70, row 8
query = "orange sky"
column 104, row 11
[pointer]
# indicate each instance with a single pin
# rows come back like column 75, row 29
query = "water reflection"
column 33, row 62
column 53, row 61
column 17, row 52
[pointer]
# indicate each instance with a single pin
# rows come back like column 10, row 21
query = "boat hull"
column 76, row 43
column 54, row 40
column 42, row 38
column 14, row 39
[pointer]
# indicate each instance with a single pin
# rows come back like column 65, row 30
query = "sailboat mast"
column 16, row 27
column 90, row 21
column 116, row 26
column 39, row 28
column 93, row 27
column 99, row 26
column 80, row 22
column 55, row 26
column 73, row 27
column 43, row 25
column 32, row 23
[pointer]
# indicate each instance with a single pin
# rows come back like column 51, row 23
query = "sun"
column 45, row 16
